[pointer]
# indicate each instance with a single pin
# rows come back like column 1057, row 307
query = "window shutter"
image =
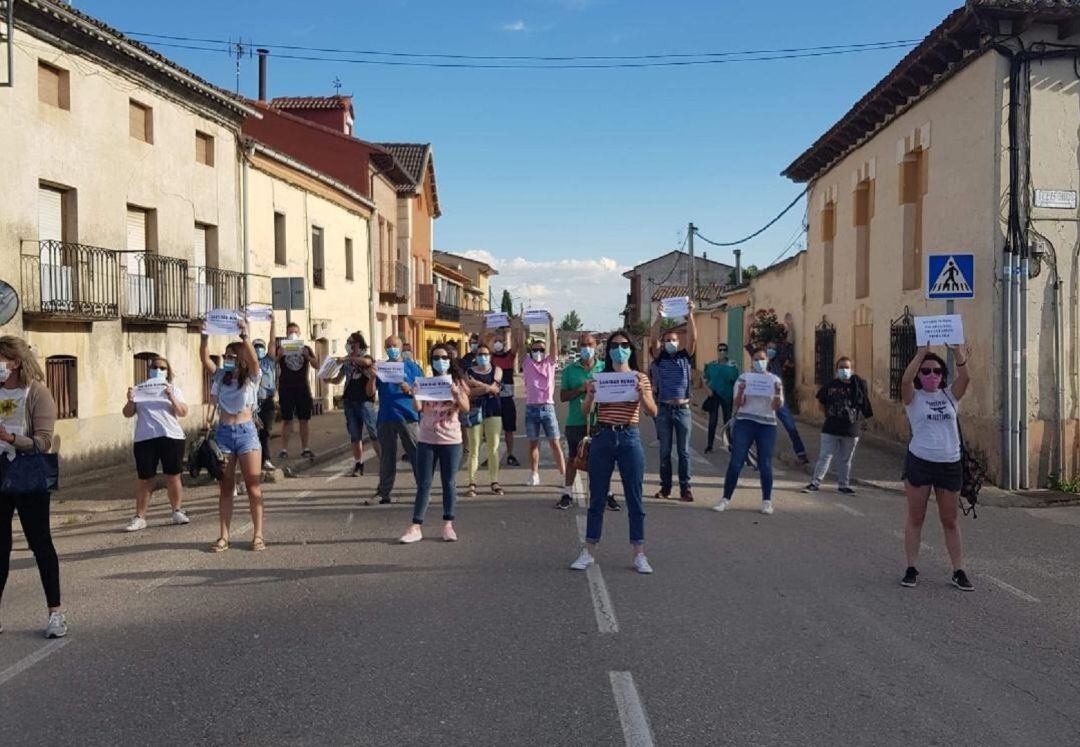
column 48, row 85
column 136, row 239
column 50, row 214
column 200, row 246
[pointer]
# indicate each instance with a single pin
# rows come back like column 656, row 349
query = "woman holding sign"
column 758, row 396
column 439, row 400
column 933, row 458
column 235, row 392
column 485, row 385
column 156, row 404
column 617, row 443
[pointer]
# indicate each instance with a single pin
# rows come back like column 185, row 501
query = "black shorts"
column 575, row 434
column 168, row 451
column 295, row 404
column 941, row 475
column 509, row 414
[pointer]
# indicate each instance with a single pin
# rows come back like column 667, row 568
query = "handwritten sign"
column 496, row 321
column 151, row 390
column 616, row 387
column 330, row 368
column 670, row 308
column 433, row 389
column 223, row 322
column 292, row 346
column 536, row 316
column 939, row 330
column 260, row 313
column 759, row 385
column 390, row 372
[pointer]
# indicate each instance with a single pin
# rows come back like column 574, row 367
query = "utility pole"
column 692, row 275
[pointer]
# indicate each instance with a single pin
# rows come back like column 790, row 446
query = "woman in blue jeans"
column 617, row 443
column 755, row 423
column 439, row 441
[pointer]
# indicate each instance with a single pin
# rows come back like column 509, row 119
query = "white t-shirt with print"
column 759, row 409
column 934, row 433
column 156, row 419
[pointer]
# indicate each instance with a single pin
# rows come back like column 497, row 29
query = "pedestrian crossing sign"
column 950, row 276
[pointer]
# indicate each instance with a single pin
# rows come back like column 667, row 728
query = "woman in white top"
column 159, row 438
column 235, row 391
column 933, row 458
column 755, row 423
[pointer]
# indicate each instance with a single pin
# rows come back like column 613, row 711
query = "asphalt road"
column 789, row 629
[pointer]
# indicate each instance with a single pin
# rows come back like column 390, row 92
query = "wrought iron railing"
column 425, row 296
column 902, row 347
column 156, row 288
column 71, row 281
column 394, row 281
column 448, row 312
column 216, row 289
column 824, row 351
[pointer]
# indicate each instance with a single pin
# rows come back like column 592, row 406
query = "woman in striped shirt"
column 617, row 442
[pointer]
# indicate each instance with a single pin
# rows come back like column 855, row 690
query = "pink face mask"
column 930, row 382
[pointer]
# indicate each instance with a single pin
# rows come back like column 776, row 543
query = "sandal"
column 471, row 492
column 257, row 544
column 496, row 489
column 221, row 545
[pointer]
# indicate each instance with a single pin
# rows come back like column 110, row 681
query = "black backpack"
column 205, row 452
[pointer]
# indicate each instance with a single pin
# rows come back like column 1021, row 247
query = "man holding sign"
column 540, row 419
column 397, row 416
column 670, row 374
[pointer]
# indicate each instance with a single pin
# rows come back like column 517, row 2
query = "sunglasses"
column 159, row 368
column 930, row 371
column 230, row 357
column 440, row 357
column 539, row 350
column 620, row 345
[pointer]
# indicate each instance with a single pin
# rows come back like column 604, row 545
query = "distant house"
column 669, row 270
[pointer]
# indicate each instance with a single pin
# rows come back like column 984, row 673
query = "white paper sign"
column 329, row 368
column 292, row 346
column 536, row 316
column 670, row 308
column 222, row 322
column 260, row 313
column 496, row 321
column 759, row 385
column 433, row 389
column 616, row 387
column 151, row 390
column 390, row 372
column 939, row 330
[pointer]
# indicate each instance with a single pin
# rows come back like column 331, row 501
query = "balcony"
column 216, row 289
column 71, row 281
column 393, row 282
column 447, row 312
column 156, row 289
column 424, row 301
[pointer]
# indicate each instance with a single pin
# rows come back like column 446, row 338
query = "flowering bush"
column 765, row 327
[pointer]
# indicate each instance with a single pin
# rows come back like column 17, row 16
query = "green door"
column 735, row 336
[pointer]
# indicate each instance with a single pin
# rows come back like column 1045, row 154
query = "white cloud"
column 515, row 26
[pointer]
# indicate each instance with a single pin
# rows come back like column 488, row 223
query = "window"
column 205, row 251
column 828, row 234
column 913, row 187
column 61, row 376
column 393, row 252
column 56, row 213
column 280, row 254
column 318, row 265
column 204, row 148
column 864, row 211
column 208, row 379
column 54, row 86
column 142, row 366
column 348, row 259
column 141, row 121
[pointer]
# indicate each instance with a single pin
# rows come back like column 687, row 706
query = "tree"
column 571, row 322
column 507, row 304
column 749, row 272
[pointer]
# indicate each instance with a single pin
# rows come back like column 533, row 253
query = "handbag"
column 581, row 459
column 974, row 473
column 29, row 473
column 711, row 404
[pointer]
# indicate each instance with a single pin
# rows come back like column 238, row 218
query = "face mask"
column 472, row 347
column 407, row 355
column 261, row 352
column 538, row 355
column 440, row 367
column 761, row 366
column 294, row 335
column 157, row 373
column 5, row 372
column 228, row 366
column 586, row 353
column 498, row 346
column 393, row 353
column 843, row 374
column 620, row 355
column 483, row 360
column 671, row 347
column 771, row 353
column 930, row 382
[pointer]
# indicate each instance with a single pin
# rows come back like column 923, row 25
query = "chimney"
column 262, row 72
column 738, row 267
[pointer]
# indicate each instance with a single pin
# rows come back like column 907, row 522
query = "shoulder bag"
column 973, row 470
column 29, row 473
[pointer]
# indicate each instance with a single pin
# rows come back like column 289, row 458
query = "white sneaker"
column 137, row 524
column 641, row 563
column 766, row 508
column 268, row 466
column 57, row 627
column 722, row 506
column 415, row 534
column 583, row 562
column 179, row 517
column 534, row 480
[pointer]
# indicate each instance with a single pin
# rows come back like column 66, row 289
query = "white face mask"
column 498, row 346
column 761, row 366
column 5, row 372
column 294, row 335
column 538, row 355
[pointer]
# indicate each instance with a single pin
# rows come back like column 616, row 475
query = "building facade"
column 671, row 269
column 477, row 290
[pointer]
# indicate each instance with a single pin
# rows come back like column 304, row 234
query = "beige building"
column 476, row 299
column 121, row 215
column 923, row 164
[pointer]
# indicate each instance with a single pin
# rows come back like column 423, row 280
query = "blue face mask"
column 761, row 366
column 843, row 374
column 393, row 353
column 440, row 367
column 586, row 353
column 483, row 360
column 260, row 351
column 771, row 353
column 158, row 373
column 671, row 347
column 228, row 365
column 620, row 355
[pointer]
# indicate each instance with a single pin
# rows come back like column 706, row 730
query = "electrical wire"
column 678, row 259
column 758, row 232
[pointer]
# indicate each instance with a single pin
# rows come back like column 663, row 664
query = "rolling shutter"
column 50, row 214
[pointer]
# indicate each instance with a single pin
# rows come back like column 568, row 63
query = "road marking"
column 601, row 600
column 850, row 510
column 1011, row 589
column 579, row 491
column 157, row 583
column 25, row 663
column 304, row 494
column 349, row 521
column 900, row 536
column 635, row 724
column 345, row 463
column 581, row 527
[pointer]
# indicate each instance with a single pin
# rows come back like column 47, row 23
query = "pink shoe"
column 448, row 533
column 415, row 534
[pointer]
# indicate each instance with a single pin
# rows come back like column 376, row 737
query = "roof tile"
column 311, row 102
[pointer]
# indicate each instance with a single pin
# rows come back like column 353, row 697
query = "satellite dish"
column 9, row 303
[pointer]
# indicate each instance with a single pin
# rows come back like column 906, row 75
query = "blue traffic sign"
column 950, row 276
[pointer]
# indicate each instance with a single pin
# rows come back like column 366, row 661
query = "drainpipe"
column 9, row 22
column 1059, row 373
column 245, row 156
column 262, row 72
column 376, row 345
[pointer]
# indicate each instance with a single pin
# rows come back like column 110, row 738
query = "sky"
column 565, row 178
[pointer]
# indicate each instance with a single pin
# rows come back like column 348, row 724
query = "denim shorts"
column 540, row 422
column 358, row 416
column 238, row 439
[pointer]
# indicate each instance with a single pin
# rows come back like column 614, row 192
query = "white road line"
column 304, row 494
column 850, row 510
column 601, row 600
column 581, row 526
column 345, row 463
column 635, row 724
column 1011, row 589
column 349, row 521
column 25, row 663
column 579, row 491
column 157, row 583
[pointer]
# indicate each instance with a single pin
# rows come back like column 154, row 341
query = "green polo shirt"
column 574, row 376
column 721, row 378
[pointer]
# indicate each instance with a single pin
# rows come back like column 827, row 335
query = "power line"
column 758, row 232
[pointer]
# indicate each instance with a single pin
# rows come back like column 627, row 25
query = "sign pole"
column 950, row 308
